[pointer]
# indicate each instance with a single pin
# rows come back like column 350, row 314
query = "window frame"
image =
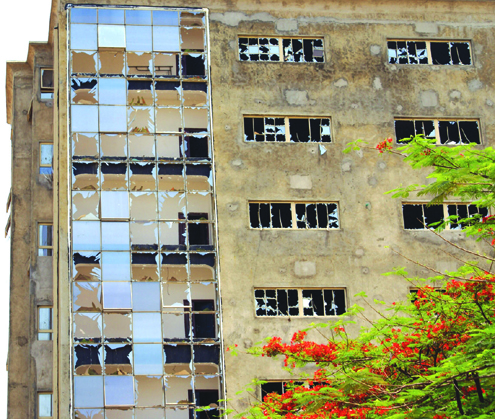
column 436, row 122
column 45, row 393
column 294, row 220
column 45, row 331
column 41, row 247
column 428, row 51
column 287, row 128
column 46, row 92
column 41, row 165
column 281, row 48
column 445, row 206
column 300, row 300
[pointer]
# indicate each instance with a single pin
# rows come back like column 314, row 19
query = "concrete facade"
column 356, row 87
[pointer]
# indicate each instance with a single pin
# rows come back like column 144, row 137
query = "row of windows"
column 259, row 129
column 309, row 50
column 317, row 129
column 316, row 215
column 320, row 215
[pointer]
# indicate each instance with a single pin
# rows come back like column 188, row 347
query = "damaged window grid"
column 429, row 52
column 144, row 292
column 300, row 302
column 294, row 215
column 274, row 49
column 420, row 216
column 444, row 131
column 287, row 129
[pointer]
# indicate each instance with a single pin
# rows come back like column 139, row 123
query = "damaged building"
column 179, row 186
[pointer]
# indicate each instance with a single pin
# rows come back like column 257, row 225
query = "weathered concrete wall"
column 31, row 283
column 362, row 94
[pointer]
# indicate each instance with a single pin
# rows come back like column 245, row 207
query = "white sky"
column 24, row 21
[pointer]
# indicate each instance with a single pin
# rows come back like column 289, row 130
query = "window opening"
column 286, row 129
column 45, row 239
column 45, row 405
column 46, row 83
column 46, row 158
column 419, row 216
column 445, row 132
column 300, row 302
column 429, row 52
column 298, row 50
column 45, row 328
column 294, row 215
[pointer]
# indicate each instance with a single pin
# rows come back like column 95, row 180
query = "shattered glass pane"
column 118, row 359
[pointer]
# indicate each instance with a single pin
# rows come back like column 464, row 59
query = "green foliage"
column 432, row 357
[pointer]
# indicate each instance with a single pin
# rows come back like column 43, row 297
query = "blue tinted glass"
column 161, row 17
column 138, row 38
column 138, row 17
column 83, row 37
column 148, row 359
column 119, row 391
column 88, row 391
column 166, row 39
column 110, row 16
column 146, row 296
column 83, row 15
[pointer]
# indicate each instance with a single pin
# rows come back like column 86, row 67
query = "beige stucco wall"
column 357, row 89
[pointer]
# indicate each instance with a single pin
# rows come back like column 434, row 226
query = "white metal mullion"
column 428, row 51
column 293, row 215
column 300, row 302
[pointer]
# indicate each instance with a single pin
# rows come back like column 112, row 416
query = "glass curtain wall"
column 145, row 298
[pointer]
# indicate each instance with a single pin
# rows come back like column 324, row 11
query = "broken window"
column 295, row 215
column 45, row 405
column 88, row 359
column 447, row 132
column 45, row 239
column 85, row 146
column 299, row 50
column 286, row 129
column 84, row 91
column 303, row 50
column 86, row 266
column 45, row 323
column 429, row 52
column 300, row 302
column 422, row 216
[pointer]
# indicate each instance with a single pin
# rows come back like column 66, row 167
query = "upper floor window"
column 419, row 216
column 296, row 50
column 300, row 302
column 45, row 405
column 46, row 158
column 46, row 83
column 45, row 323
column 287, row 129
column 429, row 52
column 45, row 239
column 444, row 131
column 294, row 215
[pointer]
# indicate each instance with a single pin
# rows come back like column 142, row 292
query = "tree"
column 431, row 357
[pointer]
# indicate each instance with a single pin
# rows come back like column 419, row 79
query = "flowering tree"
column 431, row 357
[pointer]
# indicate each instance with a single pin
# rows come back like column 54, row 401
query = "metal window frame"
column 287, row 127
column 39, row 330
column 428, row 50
column 436, row 122
column 38, row 408
column 300, row 299
column 50, row 247
column 445, row 214
column 281, row 54
column 293, row 215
